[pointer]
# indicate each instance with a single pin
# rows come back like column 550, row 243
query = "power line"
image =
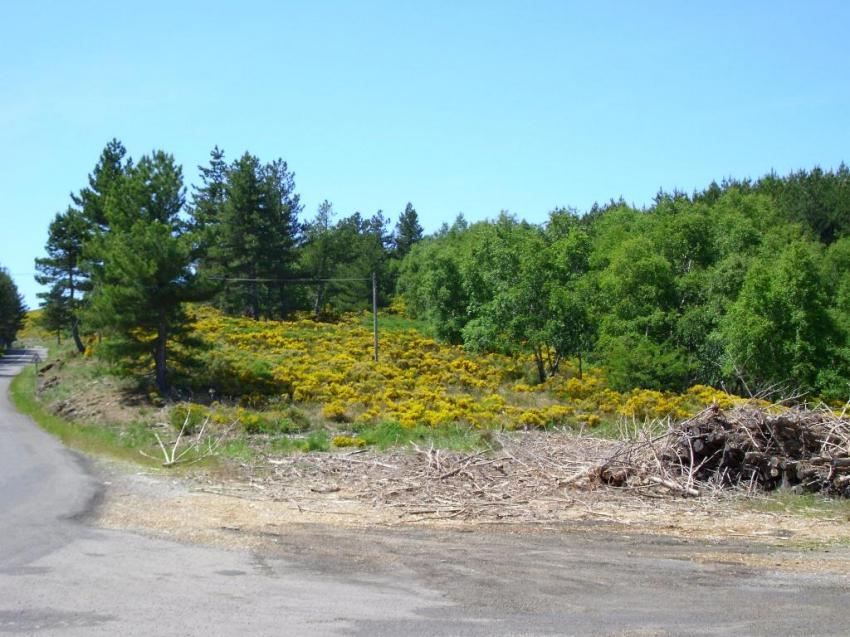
column 250, row 280
column 264, row 280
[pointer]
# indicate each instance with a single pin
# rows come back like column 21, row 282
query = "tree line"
column 744, row 285
column 133, row 247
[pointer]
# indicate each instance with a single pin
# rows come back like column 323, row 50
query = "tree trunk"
column 160, row 356
column 555, row 365
column 75, row 323
column 579, row 366
column 255, row 301
column 281, row 298
column 320, row 299
column 75, row 334
column 541, row 364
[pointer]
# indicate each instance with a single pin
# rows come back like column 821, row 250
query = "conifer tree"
column 107, row 173
column 62, row 271
column 205, row 214
column 208, row 198
column 407, row 231
column 363, row 249
column 146, row 272
column 12, row 309
column 280, row 249
column 256, row 236
column 319, row 254
column 240, row 237
column 55, row 315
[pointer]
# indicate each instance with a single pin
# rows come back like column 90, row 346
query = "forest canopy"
column 742, row 285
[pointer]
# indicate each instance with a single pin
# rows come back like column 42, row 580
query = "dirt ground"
column 251, row 515
column 522, row 487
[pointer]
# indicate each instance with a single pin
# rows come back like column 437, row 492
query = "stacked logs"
column 808, row 450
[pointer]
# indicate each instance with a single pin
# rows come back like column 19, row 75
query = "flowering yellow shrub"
column 705, row 395
column 335, row 411
column 648, row 404
column 347, row 441
column 590, row 420
column 417, row 380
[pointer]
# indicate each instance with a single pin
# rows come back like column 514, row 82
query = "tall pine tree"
column 320, row 253
column 283, row 206
column 108, row 172
column 407, row 231
column 256, row 236
column 146, row 258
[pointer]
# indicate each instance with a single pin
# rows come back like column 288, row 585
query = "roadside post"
column 35, row 361
column 375, row 312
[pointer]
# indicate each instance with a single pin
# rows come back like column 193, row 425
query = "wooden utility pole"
column 36, row 359
column 375, row 311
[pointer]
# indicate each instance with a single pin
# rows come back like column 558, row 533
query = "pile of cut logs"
column 805, row 449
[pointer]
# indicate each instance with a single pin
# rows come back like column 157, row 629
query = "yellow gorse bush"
column 417, row 381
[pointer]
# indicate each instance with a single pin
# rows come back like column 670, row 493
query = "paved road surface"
column 61, row 576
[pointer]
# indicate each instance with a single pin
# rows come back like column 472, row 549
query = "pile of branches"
column 747, row 447
column 522, row 476
column 807, row 449
column 537, row 475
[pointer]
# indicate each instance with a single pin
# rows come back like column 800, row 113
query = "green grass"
column 122, row 443
column 452, row 437
column 808, row 505
column 396, row 323
column 238, row 449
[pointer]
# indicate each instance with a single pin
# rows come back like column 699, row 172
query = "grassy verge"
column 124, row 441
column 121, row 443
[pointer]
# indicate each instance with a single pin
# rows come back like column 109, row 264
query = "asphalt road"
column 59, row 575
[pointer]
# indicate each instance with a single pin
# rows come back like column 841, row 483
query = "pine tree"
column 283, row 206
column 407, row 231
column 205, row 215
column 12, row 309
column 208, row 199
column 107, row 173
column 55, row 315
column 147, row 269
column 62, row 271
column 257, row 235
column 319, row 253
column 241, row 233
column 363, row 247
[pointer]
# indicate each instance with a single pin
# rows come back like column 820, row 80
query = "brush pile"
column 538, row 475
column 753, row 448
column 747, row 447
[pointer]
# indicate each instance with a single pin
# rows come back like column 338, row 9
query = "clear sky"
column 457, row 106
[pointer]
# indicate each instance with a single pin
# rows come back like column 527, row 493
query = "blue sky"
column 470, row 107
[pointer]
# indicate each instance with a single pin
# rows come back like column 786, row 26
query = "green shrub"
column 317, row 441
column 289, row 421
column 195, row 413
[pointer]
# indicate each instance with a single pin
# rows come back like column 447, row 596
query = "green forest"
column 743, row 285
